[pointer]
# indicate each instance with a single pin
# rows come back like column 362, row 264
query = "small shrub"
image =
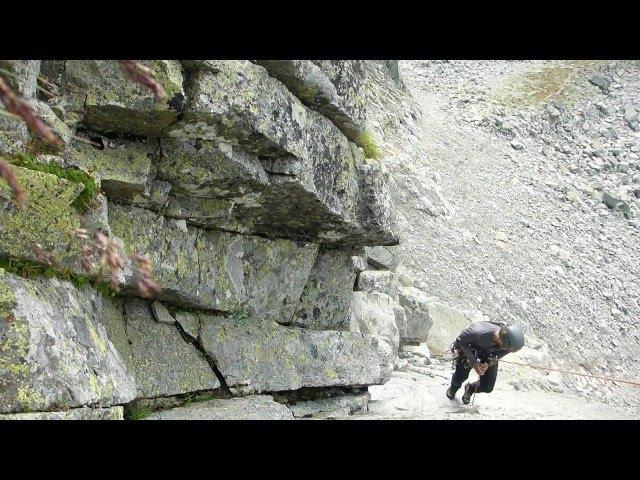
column 368, row 144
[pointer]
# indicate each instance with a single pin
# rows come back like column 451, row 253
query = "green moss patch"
column 368, row 144
column 72, row 174
column 30, row 269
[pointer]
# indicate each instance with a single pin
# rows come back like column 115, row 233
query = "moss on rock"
column 49, row 219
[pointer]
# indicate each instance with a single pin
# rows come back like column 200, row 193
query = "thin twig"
column 17, row 77
column 18, row 106
column 143, row 75
column 6, row 172
column 75, row 137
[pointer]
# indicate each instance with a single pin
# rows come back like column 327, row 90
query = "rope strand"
column 611, row 379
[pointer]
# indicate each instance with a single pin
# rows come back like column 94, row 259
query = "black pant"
column 486, row 382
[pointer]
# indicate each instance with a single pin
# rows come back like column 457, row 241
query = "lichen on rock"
column 49, row 219
column 113, row 103
column 55, row 352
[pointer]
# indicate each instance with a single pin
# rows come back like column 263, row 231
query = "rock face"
column 339, row 406
column 217, row 270
column 309, row 158
column 418, row 319
column 255, row 357
column 163, row 363
column 112, row 413
column 315, row 89
column 250, row 188
column 253, row 407
column 49, row 218
column 375, row 315
column 113, row 104
column 325, row 302
column 55, row 350
column 447, row 323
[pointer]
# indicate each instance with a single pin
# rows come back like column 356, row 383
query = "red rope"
column 611, row 379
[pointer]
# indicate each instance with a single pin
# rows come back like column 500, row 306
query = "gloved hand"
column 481, row 368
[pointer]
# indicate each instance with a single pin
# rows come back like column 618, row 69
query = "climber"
column 480, row 347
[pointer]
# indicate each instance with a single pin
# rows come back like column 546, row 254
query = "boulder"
column 325, row 303
column 616, row 202
column 420, row 350
column 381, row 258
column 378, row 281
column 417, row 314
column 601, row 82
column 447, row 323
column 255, row 357
column 375, row 315
column 252, row 407
column 56, row 352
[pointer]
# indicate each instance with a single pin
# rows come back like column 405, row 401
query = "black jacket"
column 477, row 344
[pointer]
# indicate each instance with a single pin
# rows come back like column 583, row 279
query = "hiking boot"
column 468, row 391
column 451, row 393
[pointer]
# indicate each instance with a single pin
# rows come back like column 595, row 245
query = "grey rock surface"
column 124, row 169
column 381, row 258
column 111, row 413
column 446, row 324
column 252, row 407
column 107, row 101
column 255, row 357
column 332, row 407
column 417, row 314
column 216, row 270
column 161, row 314
column 315, row 89
column 375, row 314
column 55, row 350
column 378, row 281
column 23, row 78
column 348, row 77
column 298, row 137
column 163, row 362
column 325, row 303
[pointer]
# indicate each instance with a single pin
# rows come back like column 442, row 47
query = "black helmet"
column 512, row 337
